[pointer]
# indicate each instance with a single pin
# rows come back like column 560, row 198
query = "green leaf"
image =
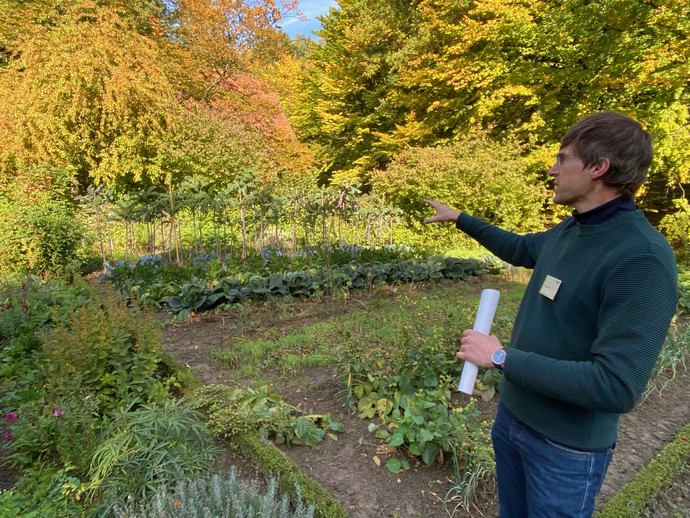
column 415, row 449
column 425, row 435
column 336, row 427
column 394, row 465
column 368, row 413
column 307, row 432
column 429, row 454
column 396, row 440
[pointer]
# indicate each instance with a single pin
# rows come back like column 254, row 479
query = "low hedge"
column 652, row 481
column 273, row 463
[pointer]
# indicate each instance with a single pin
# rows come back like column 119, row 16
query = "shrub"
column 233, row 412
column 52, row 435
column 70, row 360
column 51, row 432
column 484, row 178
column 76, row 341
column 220, row 497
column 57, row 239
column 51, row 443
column 683, row 292
column 106, row 350
column 14, row 503
column 25, row 310
column 410, row 397
column 39, row 231
column 671, row 361
column 147, row 448
column 676, row 227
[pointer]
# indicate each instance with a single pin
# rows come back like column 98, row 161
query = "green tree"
column 477, row 175
column 459, row 68
column 524, row 70
column 531, row 70
column 350, row 78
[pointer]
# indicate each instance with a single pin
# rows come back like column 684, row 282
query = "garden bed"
column 347, row 468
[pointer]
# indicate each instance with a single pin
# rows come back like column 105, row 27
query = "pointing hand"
column 443, row 213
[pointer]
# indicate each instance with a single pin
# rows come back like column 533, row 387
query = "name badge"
column 550, row 287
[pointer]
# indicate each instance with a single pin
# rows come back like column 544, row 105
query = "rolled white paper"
column 482, row 323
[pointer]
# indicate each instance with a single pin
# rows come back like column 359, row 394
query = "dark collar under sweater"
column 605, row 212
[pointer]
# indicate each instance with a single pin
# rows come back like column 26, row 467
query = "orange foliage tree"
column 92, row 88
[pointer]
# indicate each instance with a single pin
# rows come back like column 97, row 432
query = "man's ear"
column 599, row 169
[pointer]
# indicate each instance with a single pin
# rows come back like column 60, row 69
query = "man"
column 590, row 326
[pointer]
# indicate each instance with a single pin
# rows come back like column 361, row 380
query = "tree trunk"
column 294, row 228
column 99, row 231
column 243, row 226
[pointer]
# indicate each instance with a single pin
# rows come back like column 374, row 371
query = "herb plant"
column 220, row 497
column 149, row 447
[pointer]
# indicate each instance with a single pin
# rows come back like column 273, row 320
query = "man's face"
column 573, row 183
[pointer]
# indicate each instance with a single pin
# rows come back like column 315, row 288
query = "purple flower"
column 58, row 412
column 11, row 417
column 8, row 436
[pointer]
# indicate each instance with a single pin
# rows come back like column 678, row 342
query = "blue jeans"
column 538, row 478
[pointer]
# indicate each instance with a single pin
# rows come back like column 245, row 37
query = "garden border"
column 272, row 462
column 652, row 480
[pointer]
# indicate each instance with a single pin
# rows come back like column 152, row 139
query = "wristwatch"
column 498, row 358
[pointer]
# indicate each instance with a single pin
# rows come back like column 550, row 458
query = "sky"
column 311, row 9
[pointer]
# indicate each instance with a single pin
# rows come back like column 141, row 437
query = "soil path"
column 346, row 467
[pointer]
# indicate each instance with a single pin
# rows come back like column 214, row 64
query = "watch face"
column 498, row 357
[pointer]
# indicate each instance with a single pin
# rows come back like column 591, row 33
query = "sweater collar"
column 606, row 211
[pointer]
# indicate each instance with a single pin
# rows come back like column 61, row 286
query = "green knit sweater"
column 582, row 351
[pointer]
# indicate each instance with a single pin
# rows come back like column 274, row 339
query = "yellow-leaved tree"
column 90, row 86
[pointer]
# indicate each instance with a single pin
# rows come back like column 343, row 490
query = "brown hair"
column 619, row 138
